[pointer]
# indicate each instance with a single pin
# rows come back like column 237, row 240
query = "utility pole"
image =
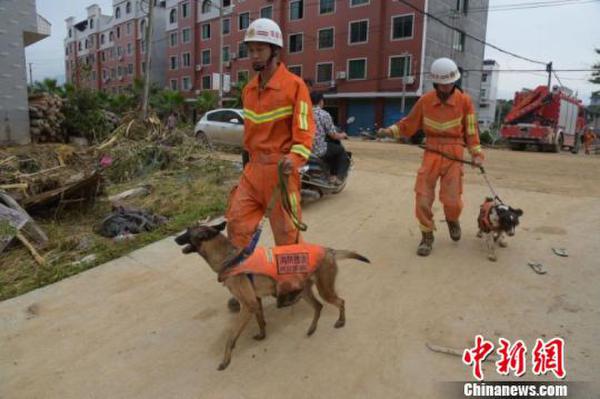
column 148, row 48
column 403, row 103
column 221, row 78
column 549, row 70
column 30, row 75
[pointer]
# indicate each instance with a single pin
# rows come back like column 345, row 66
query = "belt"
column 266, row 158
column 444, row 140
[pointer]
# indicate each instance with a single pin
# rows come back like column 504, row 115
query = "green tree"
column 206, row 101
column 166, row 101
column 48, row 86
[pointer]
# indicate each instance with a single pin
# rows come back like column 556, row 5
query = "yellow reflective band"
column 476, row 149
column 395, row 130
column 471, row 126
column 268, row 116
column 303, row 116
column 441, row 125
column 300, row 150
column 294, row 204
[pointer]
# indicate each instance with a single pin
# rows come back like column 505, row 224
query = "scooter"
column 315, row 177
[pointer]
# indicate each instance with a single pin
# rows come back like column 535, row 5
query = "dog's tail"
column 343, row 254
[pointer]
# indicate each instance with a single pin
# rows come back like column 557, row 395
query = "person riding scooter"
column 326, row 144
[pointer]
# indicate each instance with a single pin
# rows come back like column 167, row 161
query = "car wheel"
column 203, row 139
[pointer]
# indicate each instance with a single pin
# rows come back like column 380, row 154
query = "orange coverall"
column 448, row 127
column 278, row 123
column 588, row 139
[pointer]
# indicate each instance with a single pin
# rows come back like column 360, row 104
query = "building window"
column 242, row 51
column 324, row 73
column 186, row 35
column 70, row 33
column 326, row 38
column 118, row 32
column 483, row 93
column 244, row 20
column 119, row 71
column 143, row 28
column 111, row 37
column 102, row 38
column 402, row 27
column 186, row 83
column 113, row 73
column 92, row 23
column 119, row 51
column 93, row 75
column 186, row 60
column 102, row 56
column 173, row 63
column 206, row 6
column 205, row 31
column 173, row 84
column 118, row 12
column 326, row 6
column 226, row 26
column 87, row 43
column 242, row 76
column 227, row 3
column 357, row 69
column 226, row 54
column 206, row 57
column 173, row 39
column 173, row 16
column 143, row 46
column 296, row 9
column 354, row 3
column 484, row 77
column 143, row 67
column 206, row 82
column 185, row 10
column 458, row 42
column 359, row 32
column 130, row 69
column 266, row 12
column 296, row 70
column 128, row 8
column 462, row 6
column 129, row 48
column 128, row 28
column 399, row 66
column 296, row 43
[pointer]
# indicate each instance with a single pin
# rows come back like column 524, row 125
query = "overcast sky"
column 565, row 34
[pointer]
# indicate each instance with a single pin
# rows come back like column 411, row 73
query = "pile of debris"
column 46, row 117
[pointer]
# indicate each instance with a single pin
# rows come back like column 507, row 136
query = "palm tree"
column 50, row 86
column 206, row 101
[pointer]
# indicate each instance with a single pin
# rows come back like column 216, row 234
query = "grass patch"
column 184, row 195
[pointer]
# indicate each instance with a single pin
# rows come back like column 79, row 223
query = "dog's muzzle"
column 183, row 238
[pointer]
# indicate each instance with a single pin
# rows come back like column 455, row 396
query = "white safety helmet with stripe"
column 444, row 71
column 264, row 30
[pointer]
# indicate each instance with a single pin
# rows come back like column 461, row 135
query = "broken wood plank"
column 32, row 229
column 41, row 172
column 454, row 352
column 38, row 258
column 20, row 186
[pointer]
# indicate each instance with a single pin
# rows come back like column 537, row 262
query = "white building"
column 489, row 94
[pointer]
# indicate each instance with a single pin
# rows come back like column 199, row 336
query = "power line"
column 521, row 6
column 471, row 36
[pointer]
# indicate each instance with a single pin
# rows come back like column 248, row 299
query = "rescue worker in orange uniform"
column 278, row 126
column 447, row 117
column 588, row 139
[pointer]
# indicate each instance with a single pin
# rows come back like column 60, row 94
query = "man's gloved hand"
column 384, row 132
column 477, row 161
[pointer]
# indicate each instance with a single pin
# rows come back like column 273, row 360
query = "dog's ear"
column 518, row 212
column 188, row 249
column 221, row 226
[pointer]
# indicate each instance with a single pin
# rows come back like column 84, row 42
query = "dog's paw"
column 260, row 336
column 502, row 244
column 340, row 323
column 223, row 366
column 479, row 234
column 492, row 258
column 311, row 331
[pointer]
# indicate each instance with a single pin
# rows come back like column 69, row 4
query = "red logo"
column 549, row 356
column 475, row 356
column 511, row 357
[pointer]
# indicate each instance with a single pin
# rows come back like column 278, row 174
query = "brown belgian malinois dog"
column 208, row 241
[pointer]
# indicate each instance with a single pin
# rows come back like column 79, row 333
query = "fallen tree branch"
column 38, row 258
column 454, row 352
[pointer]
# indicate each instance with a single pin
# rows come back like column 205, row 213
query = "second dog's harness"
column 484, row 215
column 288, row 265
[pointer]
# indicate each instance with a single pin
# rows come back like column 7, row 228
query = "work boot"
column 233, row 305
column 454, row 229
column 426, row 244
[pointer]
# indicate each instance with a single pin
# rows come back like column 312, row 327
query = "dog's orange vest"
column 484, row 216
column 288, row 265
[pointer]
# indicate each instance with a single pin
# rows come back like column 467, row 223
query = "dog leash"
column 289, row 207
column 480, row 167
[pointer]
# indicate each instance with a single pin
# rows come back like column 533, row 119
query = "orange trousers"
column 450, row 174
column 249, row 200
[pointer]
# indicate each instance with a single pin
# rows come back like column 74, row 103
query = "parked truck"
column 549, row 120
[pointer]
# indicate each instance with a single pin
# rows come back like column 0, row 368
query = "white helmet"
column 444, row 71
column 264, row 30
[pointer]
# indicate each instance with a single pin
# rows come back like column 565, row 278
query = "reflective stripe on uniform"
column 303, row 116
column 270, row 116
column 300, row 150
column 476, row 149
column 441, row 126
column 471, row 125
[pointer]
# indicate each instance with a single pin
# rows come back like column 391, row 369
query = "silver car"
column 221, row 126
